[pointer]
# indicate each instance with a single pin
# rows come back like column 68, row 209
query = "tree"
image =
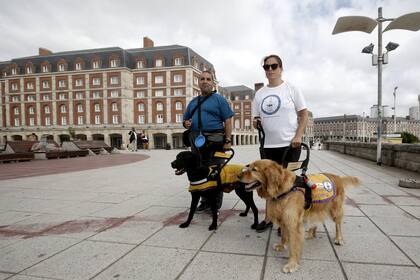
column 407, row 137
column 72, row 133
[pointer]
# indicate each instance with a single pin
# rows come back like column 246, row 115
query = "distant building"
column 101, row 93
column 414, row 113
column 386, row 112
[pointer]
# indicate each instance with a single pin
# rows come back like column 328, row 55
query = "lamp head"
column 391, row 46
column 368, row 49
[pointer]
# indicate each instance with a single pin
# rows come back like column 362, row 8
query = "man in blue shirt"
column 216, row 115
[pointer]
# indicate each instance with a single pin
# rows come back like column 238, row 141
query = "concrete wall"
column 405, row 156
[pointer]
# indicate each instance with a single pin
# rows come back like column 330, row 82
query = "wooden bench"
column 95, row 146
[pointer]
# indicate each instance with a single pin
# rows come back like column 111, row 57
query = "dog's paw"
column 278, row 247
column 310, row 235
column 339, row 242
column 290, row 267
column 243, row 214
column 213, row 227
column 254, row 225
column 184, row 225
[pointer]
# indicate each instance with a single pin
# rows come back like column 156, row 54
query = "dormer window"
column 14, row 71
column 159, row 62
column 95, row 64
column 140, row 64
column 78, row 66
column 28, row 70
column 60, row 67
column 44, row 69
column 114, row 63
column 178, row 61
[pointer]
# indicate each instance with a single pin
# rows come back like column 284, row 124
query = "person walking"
column 281, row 110
column 209, row 114
column 133, row 140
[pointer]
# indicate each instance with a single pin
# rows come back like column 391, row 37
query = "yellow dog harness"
column 228, row 176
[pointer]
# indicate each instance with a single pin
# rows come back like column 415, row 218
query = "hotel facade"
column 101, row 94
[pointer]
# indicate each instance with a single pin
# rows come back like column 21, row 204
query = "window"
column 179, row 118
column 247, row 124
column 61, row 83
column 80, row 108
column 31, row 110
column 247, row 106
column 97, row 107
column 78, row 66
column 63, row 120
column 141, row 119
column 61, row 67
column 246, row 97
column 14, row 86
column 177, row 78
column 45, row 84
column 139, row 64
column 30, row 85
column 140, row 94
column 178, row 92
column 115, row 80
column 17, row 122
column 237, row 124
column 159, row 62
column 159, row 106
column 79, row 82
column 140, row 81
column 63, row 109
column 178, row 105
column 46, row 109
column 47, row 121
column 236, row 107
column 114, row 93
column 114, row 63
column 31, row 98
column 158, row 79
column 79, row 95
column 114, row 107
column 178, row 61
column 14, row 71
column 16, row 110
column 96, row 94
column 159, row 92
column 140, row 106
column 80, row 120
column 159, row 118
column 96, row 81
column 97, row 119
column 44, row 69
column 46, row 97
column 115, row 119
column 195, row 80
column 95, row 64
column 236, row 97
column 62, row 96
column 31, row 121
column 28, row 70
column 15, row 98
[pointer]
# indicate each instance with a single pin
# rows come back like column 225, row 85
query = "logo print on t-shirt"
column 270, row 104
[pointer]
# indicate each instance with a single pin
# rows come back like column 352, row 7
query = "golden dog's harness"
column 317, row 188
column 228, row 177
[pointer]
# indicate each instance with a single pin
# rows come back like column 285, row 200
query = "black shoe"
column 202, row 207
column 263, row 226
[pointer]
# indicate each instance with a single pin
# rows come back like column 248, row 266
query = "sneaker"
column 263, row 226
column 202, row 207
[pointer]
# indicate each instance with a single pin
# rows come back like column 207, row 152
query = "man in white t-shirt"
column 281, row 109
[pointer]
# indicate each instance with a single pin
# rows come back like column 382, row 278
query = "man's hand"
column 296, row 141
column 227, row 146
column 187, row 124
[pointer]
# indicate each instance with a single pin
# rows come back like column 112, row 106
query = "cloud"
column 234, row 35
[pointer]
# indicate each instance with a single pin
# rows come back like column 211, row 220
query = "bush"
column 407, row 137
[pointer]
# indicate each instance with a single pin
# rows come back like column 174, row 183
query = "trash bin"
column 168, row 146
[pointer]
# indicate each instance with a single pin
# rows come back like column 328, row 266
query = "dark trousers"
column 277, row 154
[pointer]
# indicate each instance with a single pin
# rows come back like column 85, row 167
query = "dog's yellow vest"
column 325, row 188
column 228, row 176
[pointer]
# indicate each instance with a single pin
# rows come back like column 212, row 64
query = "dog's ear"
column 279, row 180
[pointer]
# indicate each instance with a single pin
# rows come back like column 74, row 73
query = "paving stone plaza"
column 121, row 222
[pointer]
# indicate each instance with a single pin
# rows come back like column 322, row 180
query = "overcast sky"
column 333, row 74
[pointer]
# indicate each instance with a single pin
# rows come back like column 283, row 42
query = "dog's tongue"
column 179, row 172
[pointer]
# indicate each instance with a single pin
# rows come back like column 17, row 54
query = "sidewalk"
column 121, row 222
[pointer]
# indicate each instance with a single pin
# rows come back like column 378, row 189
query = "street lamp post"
column 395, row 109
column 365, row 24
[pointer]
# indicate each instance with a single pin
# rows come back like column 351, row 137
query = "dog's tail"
column 350, row 181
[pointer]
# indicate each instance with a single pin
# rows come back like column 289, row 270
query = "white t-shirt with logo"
column 277, row 107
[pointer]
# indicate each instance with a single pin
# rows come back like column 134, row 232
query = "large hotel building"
column 101, row 94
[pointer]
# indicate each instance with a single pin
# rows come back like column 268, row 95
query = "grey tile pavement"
column 121, row 222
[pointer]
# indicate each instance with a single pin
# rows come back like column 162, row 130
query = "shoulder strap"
column 199, row 104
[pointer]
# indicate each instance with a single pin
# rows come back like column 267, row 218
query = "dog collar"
column 293, row 189
column 199, row 182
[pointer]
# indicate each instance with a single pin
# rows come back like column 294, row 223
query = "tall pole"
column 363, row 127
column 380, row 61
column 395, row 109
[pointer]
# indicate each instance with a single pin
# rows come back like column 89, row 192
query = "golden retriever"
column 271, row 181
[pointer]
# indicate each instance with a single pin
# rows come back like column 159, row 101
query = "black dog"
column 201, row 185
